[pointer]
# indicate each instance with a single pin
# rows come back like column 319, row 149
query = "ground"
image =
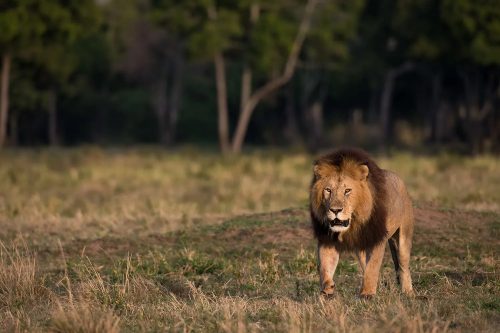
column 100, row 240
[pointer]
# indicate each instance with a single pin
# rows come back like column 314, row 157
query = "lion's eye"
column 347, row 191
column 328, row 190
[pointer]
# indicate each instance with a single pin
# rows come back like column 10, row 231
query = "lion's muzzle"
column 339, row 223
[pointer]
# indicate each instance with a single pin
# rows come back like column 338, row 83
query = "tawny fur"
column 378, row 208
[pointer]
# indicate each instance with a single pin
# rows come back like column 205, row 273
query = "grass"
column 83, row 318
column 146, row 240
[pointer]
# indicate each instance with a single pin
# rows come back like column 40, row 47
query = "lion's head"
column 341, row 194
column 348, row 197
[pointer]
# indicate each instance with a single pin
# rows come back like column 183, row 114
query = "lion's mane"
column 362, row 235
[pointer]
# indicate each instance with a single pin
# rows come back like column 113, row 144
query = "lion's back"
column 399, row 203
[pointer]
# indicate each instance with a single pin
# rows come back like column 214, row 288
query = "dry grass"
column 19, row 284
column 22, row 292
column 92, row 192
column 89, row 247
column 83, row 318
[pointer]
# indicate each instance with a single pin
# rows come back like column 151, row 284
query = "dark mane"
column 374, row 230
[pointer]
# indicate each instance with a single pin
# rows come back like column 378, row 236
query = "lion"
column 358, row 207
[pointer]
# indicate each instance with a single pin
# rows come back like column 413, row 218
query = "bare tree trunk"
column 495, row 122
column 14, row 131
column 374, row 103
column 4, row 98
column 271, row 86
column 175, row 98
column 160, row 106
column 316, row 125
column 291, row 131
column 315, row 115
column 222, row 110
column 307, row 87
column 495, row 130
column 221, row 86
column 386, row 100
column 478, row 106
column 356, row 126
column 385, row 105
column 246, row 86
column 246, row 77
column 52, row 110
column 435, row 109
column 313, row 93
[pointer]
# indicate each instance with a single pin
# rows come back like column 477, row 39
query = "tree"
column 19, row 29
column 177, row 22
column 216, row 31
column 326, row 54
column 476, row 45
column 220, row 32
column 277, row 82
column 55, row 55
column 429, row 48
column 148, row 37
column 381, row 54
column 463, row 35
column 41, row 32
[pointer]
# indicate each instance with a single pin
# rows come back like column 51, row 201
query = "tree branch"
column 278, row 82
column 292, row 57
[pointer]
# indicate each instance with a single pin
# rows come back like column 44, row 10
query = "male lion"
column 356, row 206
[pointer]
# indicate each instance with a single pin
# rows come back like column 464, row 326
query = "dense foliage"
column 144, row 71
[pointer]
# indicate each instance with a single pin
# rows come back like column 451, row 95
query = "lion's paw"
column 366, row 296
column 409, row 292
column 328, row 290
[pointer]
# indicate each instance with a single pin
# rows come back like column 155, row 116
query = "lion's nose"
column 335, row 210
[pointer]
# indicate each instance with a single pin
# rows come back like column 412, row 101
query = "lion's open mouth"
column 339, row 223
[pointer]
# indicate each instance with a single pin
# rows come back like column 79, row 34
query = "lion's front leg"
column 371, row 272
column 328, row 258
column 361, row 260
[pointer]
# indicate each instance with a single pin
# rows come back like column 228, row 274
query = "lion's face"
column 339, row 194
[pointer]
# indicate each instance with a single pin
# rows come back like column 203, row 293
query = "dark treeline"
column 233, row 72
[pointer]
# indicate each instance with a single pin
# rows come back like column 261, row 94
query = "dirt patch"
column 473, row 278
column 269, row 235
column 432, row 217
column 293, row 226
column 288, row 228
column 106, row 246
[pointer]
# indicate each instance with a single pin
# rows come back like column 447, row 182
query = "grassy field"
column 147, row 240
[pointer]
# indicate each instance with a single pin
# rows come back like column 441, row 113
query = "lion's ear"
column 363, row 171
column 317, row 170
column 322, row 170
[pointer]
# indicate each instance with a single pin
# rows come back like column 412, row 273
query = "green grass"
column 148, row 240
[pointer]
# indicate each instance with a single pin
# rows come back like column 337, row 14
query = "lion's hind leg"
column 394, row 246
column 404, row 242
